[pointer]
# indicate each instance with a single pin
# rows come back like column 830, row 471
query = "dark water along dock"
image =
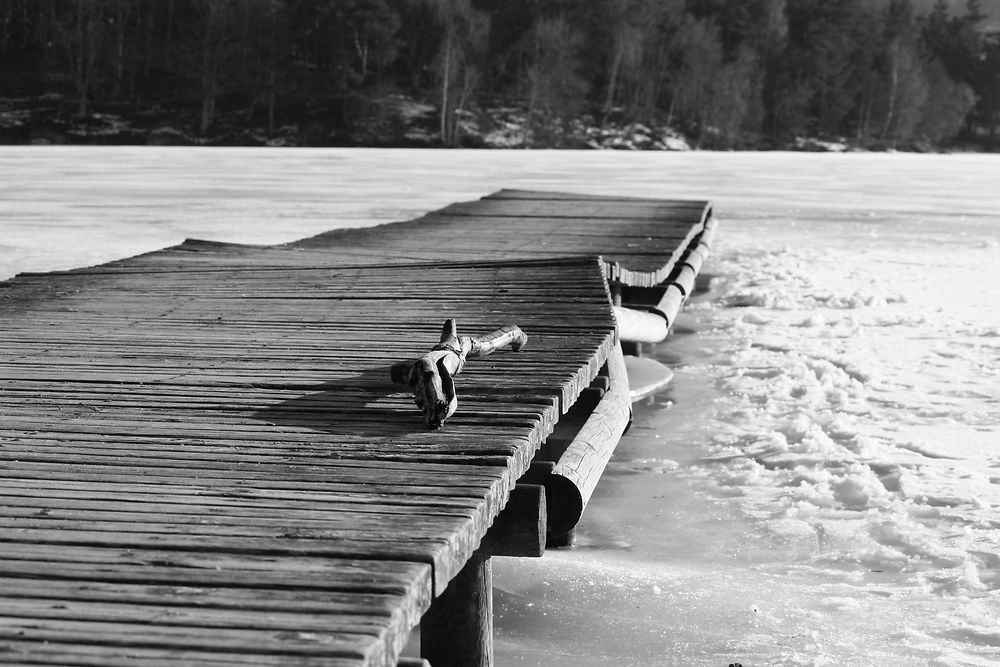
column 203, row 459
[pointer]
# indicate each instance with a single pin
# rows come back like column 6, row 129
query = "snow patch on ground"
column 508, row 127
column 820, row 145
column 858, row 419
column 816, row 397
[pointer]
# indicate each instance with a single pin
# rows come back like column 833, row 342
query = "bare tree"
column 464, row 38
column 640, row 33
column 80, row 32
column 263, row 40
column 948, row 105
column 206, row 52
column 556, row 88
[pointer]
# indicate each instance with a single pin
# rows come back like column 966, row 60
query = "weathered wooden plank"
column 330, row 524
column 370, row 448
column 119, row 611
column 235, row 484
column 245, row 605
column 25, row 505
column 221, row 573
column 21, row 494
column 432, row 548
column 329, row 644
column 86, row 653
column 41, row 450
column 72, row 487
column 373, row 601
column 407, row 474
column 438, row 551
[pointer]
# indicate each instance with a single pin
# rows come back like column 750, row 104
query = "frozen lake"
column 820, row 486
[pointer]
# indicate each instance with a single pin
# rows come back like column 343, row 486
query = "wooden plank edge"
column 681, row 283
column 615, row 272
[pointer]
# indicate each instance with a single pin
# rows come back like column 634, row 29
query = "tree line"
column 753, row 73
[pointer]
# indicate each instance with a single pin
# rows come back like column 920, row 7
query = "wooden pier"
column 203, row 460
column 643, row 242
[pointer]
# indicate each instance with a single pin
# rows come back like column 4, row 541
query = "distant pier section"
column 205, row 461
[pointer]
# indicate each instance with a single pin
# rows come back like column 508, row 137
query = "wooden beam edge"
column 576, row 474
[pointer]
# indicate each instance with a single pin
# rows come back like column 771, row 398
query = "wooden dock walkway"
column 643, row 241
column 203, row 460
column 652, row 249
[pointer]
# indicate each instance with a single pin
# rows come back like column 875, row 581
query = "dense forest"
column 723, row 74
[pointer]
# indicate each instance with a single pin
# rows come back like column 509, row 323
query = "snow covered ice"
column 857, row 424
column 821, row 484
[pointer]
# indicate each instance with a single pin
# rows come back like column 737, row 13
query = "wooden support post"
column 519, row 530
column 457, row 631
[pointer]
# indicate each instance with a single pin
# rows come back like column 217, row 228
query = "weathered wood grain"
column 201, row 418
column 579, row 467
column 457, row 631
column 203, row 459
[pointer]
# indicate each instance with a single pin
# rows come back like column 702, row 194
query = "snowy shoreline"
column 44, row 122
